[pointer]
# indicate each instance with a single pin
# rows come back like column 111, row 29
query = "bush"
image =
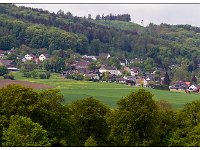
column 42, row 76
column 159, row 87
column 34, row 74
column 3, row 70
column 48, row 74
column 9, row 76
column 27, row 74
column 75, row 76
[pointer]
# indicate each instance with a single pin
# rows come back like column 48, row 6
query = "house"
column 85, row 57
column 135, row 71
column 121, row 80
column 194, row 87
column 2, row 53
column 8, row 63
column 42, row 57
column 12, row 51
column 127, row 69
column 104, row 55
column 123, row 62
column 136, row 60
column 110, row 69
column 29, row 57
column 180, row 85
column 81, row 65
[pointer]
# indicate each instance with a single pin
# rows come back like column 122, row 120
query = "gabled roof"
column 82, row 63
column 7, row 63
column 197, row 86
column 135, row 69
column 108, row 68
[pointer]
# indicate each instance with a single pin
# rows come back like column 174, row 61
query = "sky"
column 149, row 13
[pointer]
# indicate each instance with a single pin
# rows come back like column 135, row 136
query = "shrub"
column 3, row 70
column 43, row 76
column 9, row 76
column 75, row 76
column 34, row 74
column 48, row 74
column 27, row 74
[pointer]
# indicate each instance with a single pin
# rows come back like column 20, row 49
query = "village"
column 86, row 68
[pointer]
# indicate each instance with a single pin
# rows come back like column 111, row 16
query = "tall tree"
column 194, row 79
column 88, row 117
column 3, row 70
column 134, row 123
column 166, row 79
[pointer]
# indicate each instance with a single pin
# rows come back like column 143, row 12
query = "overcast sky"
column 155, row 13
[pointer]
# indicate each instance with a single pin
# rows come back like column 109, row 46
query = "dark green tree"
column 42, row 107
column 194, row 79
column 88, row 117
column 166, row 79
column 3, row 70
column 134, row 122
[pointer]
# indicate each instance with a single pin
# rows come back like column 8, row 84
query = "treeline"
column 38, row 118
column 164, row 45
column 123, row 17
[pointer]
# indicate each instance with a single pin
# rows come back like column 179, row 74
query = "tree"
column 134, row 123
column 105, row 76
column 98, row 17
column 90, row 142
column 166, row 79
column 23, row 132
column 94, row 65
column 43, row 107
column 28, row 66
column 167, row 122
column 194, row 79
column 3, row 70
column 191, row 114
column 95, row 47
column 89, row 16
column 88, row 117
column 180, row 74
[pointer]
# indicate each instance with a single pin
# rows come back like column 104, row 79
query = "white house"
column 194, row 87
column 28, row 57
column 109, row 69
column 42, row 57
column 91, row 57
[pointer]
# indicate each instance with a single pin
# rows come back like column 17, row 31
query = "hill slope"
column 165, row 44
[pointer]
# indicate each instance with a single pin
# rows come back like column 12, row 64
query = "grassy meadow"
column 108, row 93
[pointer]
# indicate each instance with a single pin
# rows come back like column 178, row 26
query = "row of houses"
column 181, row 85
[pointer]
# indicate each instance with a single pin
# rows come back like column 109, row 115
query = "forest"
column 38, row 118
column 164, row 44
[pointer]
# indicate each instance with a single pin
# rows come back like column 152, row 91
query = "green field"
column 108, row 93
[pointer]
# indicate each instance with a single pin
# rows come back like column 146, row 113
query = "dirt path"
column 6, row 82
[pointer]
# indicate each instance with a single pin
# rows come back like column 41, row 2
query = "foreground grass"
column 108, row 93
